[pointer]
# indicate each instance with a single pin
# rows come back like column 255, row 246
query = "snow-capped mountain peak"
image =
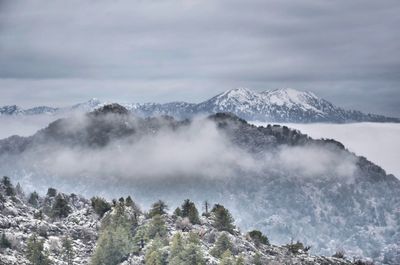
column 277, row 105
column 290, row 98
column 89, row 105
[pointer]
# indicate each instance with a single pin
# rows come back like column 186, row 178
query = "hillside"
column 273, row 179
column 24, row 216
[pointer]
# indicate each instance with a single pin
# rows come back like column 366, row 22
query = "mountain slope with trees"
column 125, row 235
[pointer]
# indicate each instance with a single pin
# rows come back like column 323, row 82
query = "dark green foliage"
column 9, row 189
column 115, row 241
column 223, row 219
column 158, row 208
column 295, row 248
column 100, row 206
column 189, row 210
column 34, row 199
column 35, row 252
column 258, row 238
column 157, row 227
column 185, row 252
column 192, row 254
column 129, row 202
column 178, row 212
column 67, row 251
column 121, row 200
column 60, row 207
column 223, row 244
column 154, row 254
column 4, row 242
column 339, row 254
column 51, row 192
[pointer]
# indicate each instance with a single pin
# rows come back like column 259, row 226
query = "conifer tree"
column 4, row 242
column 9, row 189
column 158, row 208
column 68, row 251
column 100, row 206
column 178, row 212
column 176, row 246
column 51, row 192
column 223, row 220
column 189, row 210
column 129, row 201
column 34, row 199
column 60, row 207
column 192, row 254
column 35, row 252
column 115, row 241
column 157, row 227
column 154, row 255
column 258, row 238
column 223, row 244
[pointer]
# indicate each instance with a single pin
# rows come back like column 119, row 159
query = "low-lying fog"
column 379, row 142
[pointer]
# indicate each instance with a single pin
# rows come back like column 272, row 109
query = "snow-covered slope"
column 20, row 219
column 279, row 105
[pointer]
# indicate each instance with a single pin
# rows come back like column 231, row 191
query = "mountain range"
column 279, row 105
column 274, row 179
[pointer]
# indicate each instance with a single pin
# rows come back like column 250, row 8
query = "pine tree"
column 178, row 212
column 9, row 189
column 100, row 206
column 19, row 191
column 157, row 227
column 258, row 238
column 223, row 220
column 189, row 210
column 51, row 192
column 129, row 202
column 154, row 255
column 35, row 252
column 193, row 255
column 223, row 244
column 68, row 251
column 158, row 208
column 115, row 241
column 34, row 199
column 60, row 207
column 4, row 242
column 176, row 246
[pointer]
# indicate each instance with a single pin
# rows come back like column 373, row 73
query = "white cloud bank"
column 379, row 142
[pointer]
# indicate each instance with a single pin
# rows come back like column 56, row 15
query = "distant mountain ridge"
column 278, row 105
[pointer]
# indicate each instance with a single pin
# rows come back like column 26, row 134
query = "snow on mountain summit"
column 277, row 105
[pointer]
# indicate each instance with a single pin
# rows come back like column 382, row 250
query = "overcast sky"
column 62, row 52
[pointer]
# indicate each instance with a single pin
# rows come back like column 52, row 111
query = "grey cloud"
column 216, row 45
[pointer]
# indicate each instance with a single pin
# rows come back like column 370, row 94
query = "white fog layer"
column 379, row 142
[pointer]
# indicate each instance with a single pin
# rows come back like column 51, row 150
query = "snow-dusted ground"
column 379, row 142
